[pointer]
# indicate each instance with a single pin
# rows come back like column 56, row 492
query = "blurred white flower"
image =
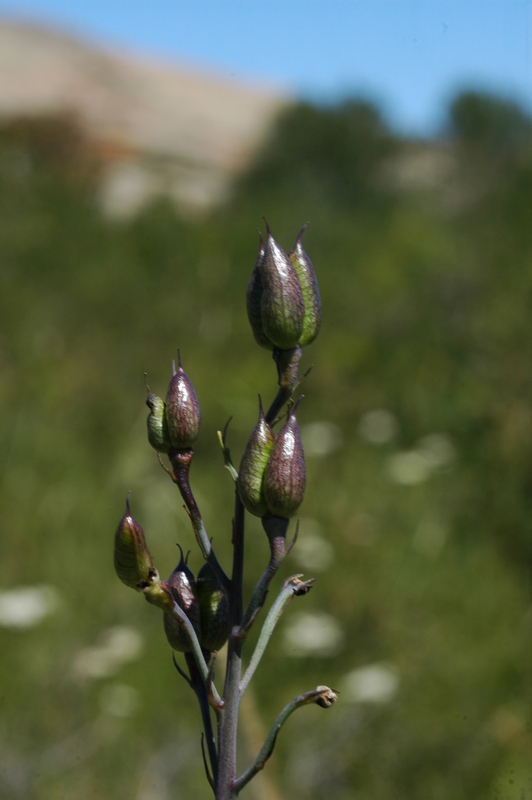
column 312, row 550
column 378, row 426
column 313, row 634
column 116, row 647
column 409, row 468
column 431, row 453
column 27, row 606
column 119, row 700
column 375, row 683
column 321, row 438
column 437, row 448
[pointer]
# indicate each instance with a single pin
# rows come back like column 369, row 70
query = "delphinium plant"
column 202, row 613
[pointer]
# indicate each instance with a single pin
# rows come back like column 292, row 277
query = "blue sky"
column 410, row 56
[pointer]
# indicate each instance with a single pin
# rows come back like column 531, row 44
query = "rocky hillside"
column 160, row 127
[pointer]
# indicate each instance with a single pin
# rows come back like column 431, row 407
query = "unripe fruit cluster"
column 174, row 424
column 283, row 298
column 272, row 475
column 204, row 602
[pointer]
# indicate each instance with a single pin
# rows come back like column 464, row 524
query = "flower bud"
column 158, row 435
column 183, row 588
column 253, row 300
column 133, row 562
column 214, row 610
column 310, row 290
column 253, row 465
column 183, row 414
column 281, row 304
column 285, row 476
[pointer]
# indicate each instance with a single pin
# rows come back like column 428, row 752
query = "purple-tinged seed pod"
column 183, row 415
column 310, row 290
column 253, row 300
column 285, row 476
column 282, row 308
column 183, row 588
column 214, row 610
column 158, row 435
column 253, row 465
column 132, row 559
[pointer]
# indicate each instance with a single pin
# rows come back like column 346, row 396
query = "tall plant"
column 202, row 613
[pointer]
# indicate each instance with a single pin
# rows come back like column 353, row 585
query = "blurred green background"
column 417, row 423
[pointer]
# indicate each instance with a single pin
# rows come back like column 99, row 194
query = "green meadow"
column 417, row 424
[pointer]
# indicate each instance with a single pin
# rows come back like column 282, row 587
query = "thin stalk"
column 322, row 696
column 180, row 461
column 159, row 595
column 228, row 723
column 203, row 700
column 275, row 528
column 293, row 587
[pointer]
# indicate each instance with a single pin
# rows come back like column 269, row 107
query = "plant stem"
column 293, row 587
column 322, row 696
column 180, row 461
column 201, row 693
column 275, row 528
column 228, row 722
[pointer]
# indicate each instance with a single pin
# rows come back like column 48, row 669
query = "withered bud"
column 253, row 466
column 214, row 610
column 158, row 435
column 327, row 697
column 310, row 290
column 183, row 414
column 132, row 559
column 285, row 476
column 183, row 588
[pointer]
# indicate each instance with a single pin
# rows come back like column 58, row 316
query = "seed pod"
column 158, row 435
column 183, row 414
column 214, row 610
column 250, row 481
column 281, row 303
column 310, row 290
column 183, row 588
column 253, row 300
column 285, row 476
column 132, row 559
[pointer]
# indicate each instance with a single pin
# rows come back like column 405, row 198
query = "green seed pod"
column 132, row 559
column 282, row 308
column 183, row 414
column 285, row 476
column 253, row 465
column 214, row 610
column 253, row 300
column 183, row 588
column 158, row 435
column 310, row 290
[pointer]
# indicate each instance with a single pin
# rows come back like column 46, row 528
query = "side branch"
column 322, row 696
column 293, row 587
column 158, row 594
column 275, row 528
column 180, row 461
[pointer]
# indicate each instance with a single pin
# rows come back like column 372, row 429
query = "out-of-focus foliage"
column 417, row 422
